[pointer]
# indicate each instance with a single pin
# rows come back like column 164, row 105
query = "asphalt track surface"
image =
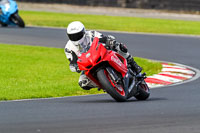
column 172, row 109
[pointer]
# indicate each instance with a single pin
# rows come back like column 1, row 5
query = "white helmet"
column 76, row 32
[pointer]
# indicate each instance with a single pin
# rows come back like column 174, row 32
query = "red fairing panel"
column 116, row 63
column 91, row 57
column 97, row 54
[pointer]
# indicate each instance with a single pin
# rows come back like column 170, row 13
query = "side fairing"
column 116, row 63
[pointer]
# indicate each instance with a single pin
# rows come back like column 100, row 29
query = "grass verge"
column 102, row 22
column 41, row 72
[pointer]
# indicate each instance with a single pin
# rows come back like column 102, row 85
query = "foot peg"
column 141, row 75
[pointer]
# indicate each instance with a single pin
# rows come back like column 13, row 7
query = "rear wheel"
column 15, row 18
column 3, row 24
column 111, row 87
column 143, row 91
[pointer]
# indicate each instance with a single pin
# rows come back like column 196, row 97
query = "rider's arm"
column 72, row 57
column 105, row 39
column 108, row 40
column 112, row 44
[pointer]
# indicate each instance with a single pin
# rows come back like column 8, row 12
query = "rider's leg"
column 122, row 50
column 134, row 65
column 85, row 83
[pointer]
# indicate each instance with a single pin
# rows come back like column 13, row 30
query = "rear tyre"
column 3, row 24
column 17, row 20
column 143, row 91
column 109, row 86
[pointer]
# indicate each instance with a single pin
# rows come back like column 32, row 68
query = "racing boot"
column 85, row 83
column 134, row 66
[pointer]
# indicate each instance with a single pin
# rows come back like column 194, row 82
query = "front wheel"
column 15, row 18
column 143, row 91
column 115, row 90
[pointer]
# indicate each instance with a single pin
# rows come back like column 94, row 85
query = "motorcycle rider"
column 2, row 2
column 1, row 23
column 80, row 41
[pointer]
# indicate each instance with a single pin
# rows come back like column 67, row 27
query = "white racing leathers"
column 74, row 49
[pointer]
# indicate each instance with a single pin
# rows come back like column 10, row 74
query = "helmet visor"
column 76, row 36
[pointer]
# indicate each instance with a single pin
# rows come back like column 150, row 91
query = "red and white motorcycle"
column 110, row 72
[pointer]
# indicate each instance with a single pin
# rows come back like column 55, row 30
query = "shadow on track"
column 106, row 100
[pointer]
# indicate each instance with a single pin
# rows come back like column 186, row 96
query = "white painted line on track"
column 165, row 78
column 151, row 85
column 178, row 74
column 177, row 70
column 124, row 32
column 172, row 66
column 37, row 99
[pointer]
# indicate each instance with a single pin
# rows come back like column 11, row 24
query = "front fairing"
column 92, row 57
column 98, row 54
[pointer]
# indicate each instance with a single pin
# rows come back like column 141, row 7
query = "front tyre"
column 15, row 18
column 115, row 90
column 143, row 91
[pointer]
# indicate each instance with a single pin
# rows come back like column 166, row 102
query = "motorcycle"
column 110, row 72
column 9, row 14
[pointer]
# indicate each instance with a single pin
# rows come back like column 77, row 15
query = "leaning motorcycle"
column 110, row 72
column 9, row 14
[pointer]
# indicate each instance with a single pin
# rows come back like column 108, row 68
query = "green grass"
column 116, row 23
column 41, row 72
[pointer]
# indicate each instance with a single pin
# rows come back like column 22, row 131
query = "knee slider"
column 83, row 83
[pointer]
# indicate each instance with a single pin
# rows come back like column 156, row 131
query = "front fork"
column 132, row 80
column 113, row 75
column 129, row 81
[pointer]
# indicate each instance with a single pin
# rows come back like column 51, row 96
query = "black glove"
column 109, row 41
column 111, row 44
